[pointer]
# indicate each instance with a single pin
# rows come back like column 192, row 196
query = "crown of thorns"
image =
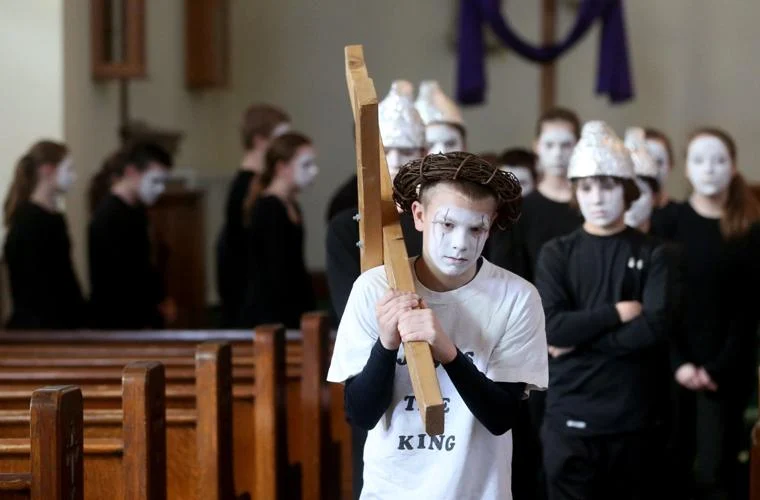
column 416, row 175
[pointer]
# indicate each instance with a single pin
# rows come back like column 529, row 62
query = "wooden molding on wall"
column 206, row 43
column 131, row 42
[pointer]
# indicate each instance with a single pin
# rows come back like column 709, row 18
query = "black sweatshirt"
column 125, row 287
column 606, row 385
column 279, row 288
column 368, row 394
column 231, row 248
column 720, row 297
column 343, row 256
column 345, row 198
column 542, row 219
column 44, row 287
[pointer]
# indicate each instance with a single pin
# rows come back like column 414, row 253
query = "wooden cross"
column 548, row 73
column 381, row 240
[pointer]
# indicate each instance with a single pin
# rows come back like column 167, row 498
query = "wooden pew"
column 131, row 466
column 218, row 469
column 55, row 467
column 76, row 349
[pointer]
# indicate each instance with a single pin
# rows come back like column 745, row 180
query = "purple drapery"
column 613, row 70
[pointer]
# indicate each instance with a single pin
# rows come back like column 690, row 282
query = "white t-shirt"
column 497, row 320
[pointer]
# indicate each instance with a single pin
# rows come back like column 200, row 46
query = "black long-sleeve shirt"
column 720, row 318
column 125, row 287
column 368, row 394
column 231, row 249
column 542, row 219
column 345, row 198
column 343, row 256
column 44, row 287
column 606, row 384
column 279, row 288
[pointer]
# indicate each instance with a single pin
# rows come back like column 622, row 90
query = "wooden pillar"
column 548, row 70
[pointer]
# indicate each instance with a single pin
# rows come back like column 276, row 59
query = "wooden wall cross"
column 381, row 239
column 548, row 70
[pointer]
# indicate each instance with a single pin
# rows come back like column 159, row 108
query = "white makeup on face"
column 554, row 147
column 65, row 176
column 601, row 201
column 443, row 138
column 457, row 238
column 641, row 209
column 152, row 185
column 398, row 157
column 523, row 175
column 280, row 129
column 659, row 153
column 306, row 169
column 708, row 165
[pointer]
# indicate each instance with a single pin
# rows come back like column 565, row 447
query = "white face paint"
column 659, row 153
column 281, row 129
column 65, row 176
column 398, row 157
column 708, row 165
column 443, row 138
column 523, row 175
column 457, row 238
column 641, row 209
column 601, row 200
column 152, row 185
column 306, row 168
column 554, row 147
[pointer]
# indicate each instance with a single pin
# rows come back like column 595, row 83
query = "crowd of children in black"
column 650, row 329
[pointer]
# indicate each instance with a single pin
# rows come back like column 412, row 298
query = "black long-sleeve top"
column 343, row 256
column 44, row 287
column 720, row 319
column 606, row 385
column 345, row 198
column 542, row 219
column 368, row 394
column 279, row 288
column 231, row 245
column 125, row 286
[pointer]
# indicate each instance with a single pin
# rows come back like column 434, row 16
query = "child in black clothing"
column 44, row 287
column 605, row 291
column 126, row 289
column 279, row 288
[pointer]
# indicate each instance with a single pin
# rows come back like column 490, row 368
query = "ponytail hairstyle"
column 25, row 177
column 282, row 149
column 742, row 208
column 139, row 155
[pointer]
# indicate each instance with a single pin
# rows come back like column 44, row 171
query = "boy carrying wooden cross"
column 485, row 327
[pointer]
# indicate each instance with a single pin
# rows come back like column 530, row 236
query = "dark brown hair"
column 282, row 149
column 742, row 208
column 520, row 157
column 631, row 191
column 559, row 115
column 260, row 120
column 655, row 134
column 139, row 155
column 25, row 177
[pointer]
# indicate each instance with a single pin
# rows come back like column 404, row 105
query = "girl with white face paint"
column 556, row 135
column 604, row 288
column 278, row 285
column 661, row 150
column 43, row 285
column 484, row 326
column 126, row 290
column 715, row 346
column 647, row 170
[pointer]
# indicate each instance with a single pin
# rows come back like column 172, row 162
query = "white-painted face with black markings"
column 455, row 229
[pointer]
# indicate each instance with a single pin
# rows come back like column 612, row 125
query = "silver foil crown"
column 435, row 106
column 643, row 163
column 600, row 152
column 400, row 123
